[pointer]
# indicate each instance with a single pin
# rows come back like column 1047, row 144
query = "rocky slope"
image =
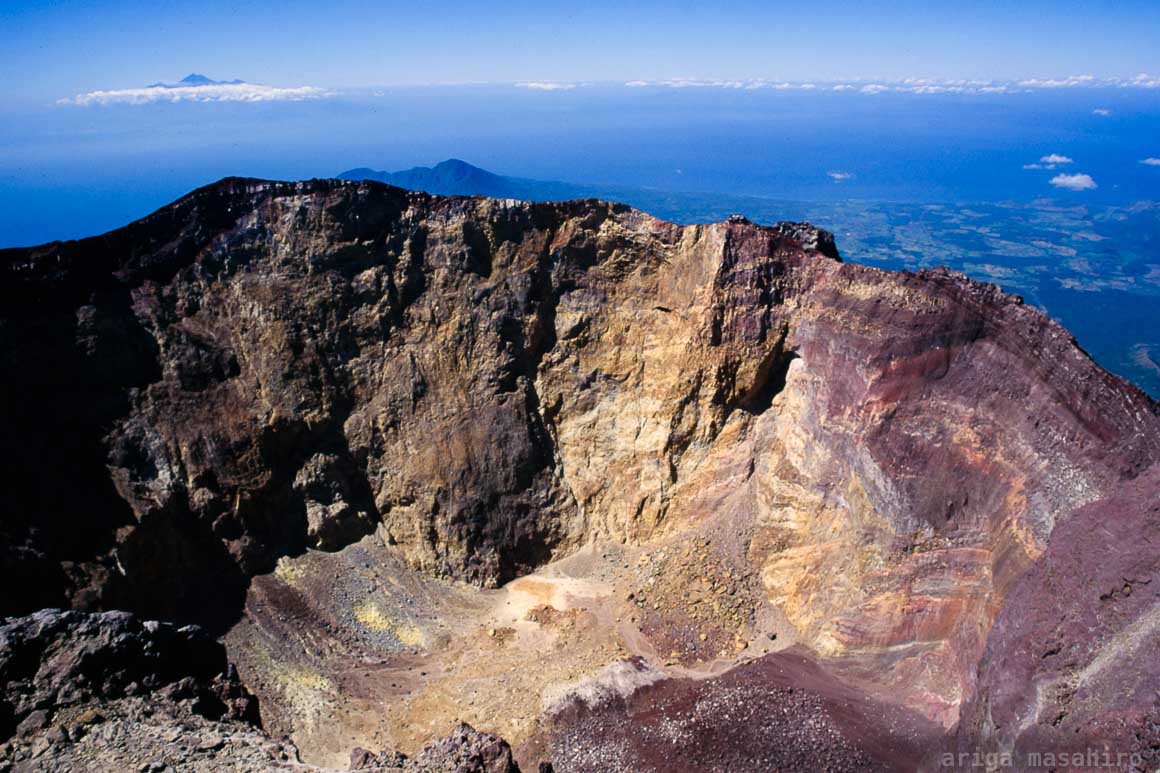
column 107, row 691
column 916, row 480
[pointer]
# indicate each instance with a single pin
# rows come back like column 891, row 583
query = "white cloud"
column 1150, row 161
column 951, row 86
column 1050, row 161
column 1144, row 81
column 1102, row 111
column 840, row 176
column 692, row 83
column 1074, row 182
column 914, row 85
column 701, row 83
column 1141, row 81
column 547, row 86
column 1059, row 83
column 215, row 92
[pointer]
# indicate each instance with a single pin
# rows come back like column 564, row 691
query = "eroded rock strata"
column 326, row 418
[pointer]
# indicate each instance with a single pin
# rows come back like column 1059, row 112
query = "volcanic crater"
column 625, row 494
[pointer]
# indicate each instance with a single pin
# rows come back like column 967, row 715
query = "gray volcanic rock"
column 109, row 692
column 52, row 660
column 466, row 750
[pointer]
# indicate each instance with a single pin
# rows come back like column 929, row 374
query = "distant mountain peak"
column 195, row 79
column 456, row 163
column 456, row 177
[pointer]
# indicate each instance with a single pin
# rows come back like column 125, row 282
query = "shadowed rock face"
column 262, row 368
column 53, row 660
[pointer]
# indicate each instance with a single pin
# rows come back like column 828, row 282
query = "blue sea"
column 902, row 179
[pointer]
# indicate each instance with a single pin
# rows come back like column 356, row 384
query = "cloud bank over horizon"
column 547, row 86
column 196, row 88
column 911, row 85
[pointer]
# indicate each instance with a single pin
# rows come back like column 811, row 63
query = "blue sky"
column 58, row 49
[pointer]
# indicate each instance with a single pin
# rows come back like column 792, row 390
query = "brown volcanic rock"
column 265, row 367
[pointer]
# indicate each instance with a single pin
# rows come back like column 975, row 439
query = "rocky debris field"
column 54, row 660
column 89, row 692
column 777, row 713
column 693, row 605
column 145, row 734
column 466, row 750
column 108, row 692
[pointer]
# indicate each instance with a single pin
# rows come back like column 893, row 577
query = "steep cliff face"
column 263, row 368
